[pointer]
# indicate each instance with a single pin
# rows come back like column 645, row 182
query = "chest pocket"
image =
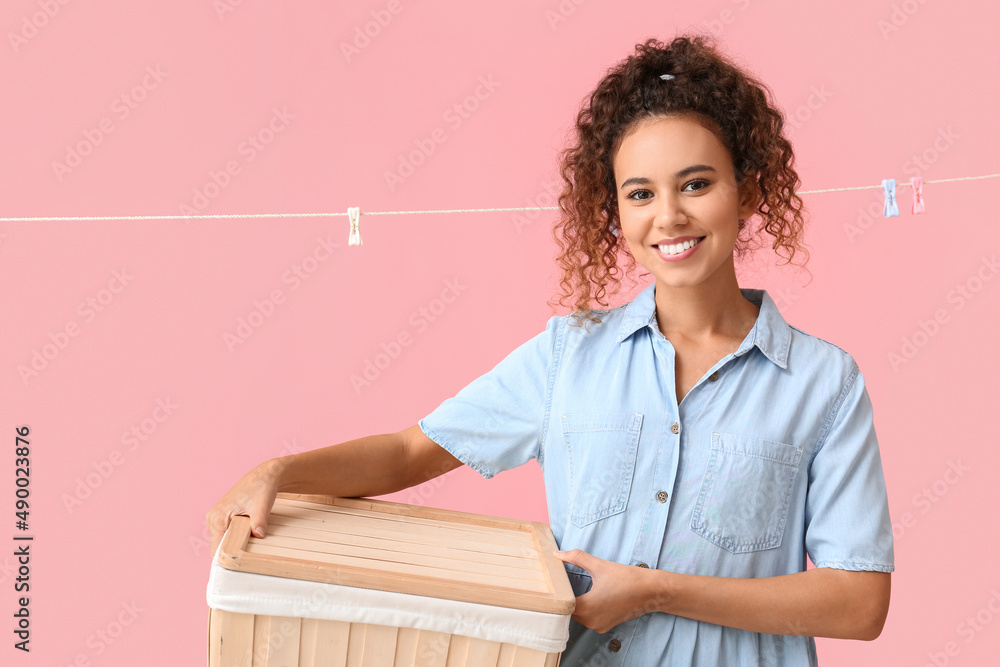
column 601, row 449
column 744, row 497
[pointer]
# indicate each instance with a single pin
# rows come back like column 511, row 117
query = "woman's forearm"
column 370, row 466
column 822, row 602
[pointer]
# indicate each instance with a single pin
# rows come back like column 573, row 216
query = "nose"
column 670, row 212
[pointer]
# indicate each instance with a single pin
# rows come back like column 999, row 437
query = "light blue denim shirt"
column 770, row 457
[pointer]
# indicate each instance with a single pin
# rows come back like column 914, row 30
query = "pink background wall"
column 865, row 102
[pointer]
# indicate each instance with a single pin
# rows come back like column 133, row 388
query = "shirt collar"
column 770, row 332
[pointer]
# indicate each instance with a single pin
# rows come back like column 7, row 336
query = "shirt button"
column 643, row 565
column 675, row 428
column 714, row 376
column 614, row 645
column 661, row 496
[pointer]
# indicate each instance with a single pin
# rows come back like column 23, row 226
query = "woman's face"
column 676, row 186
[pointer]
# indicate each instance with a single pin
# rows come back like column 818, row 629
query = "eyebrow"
column 686, row 171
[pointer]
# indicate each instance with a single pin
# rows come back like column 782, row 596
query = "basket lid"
column 387, row 546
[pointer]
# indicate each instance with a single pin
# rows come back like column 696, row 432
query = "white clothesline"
column 211, row 216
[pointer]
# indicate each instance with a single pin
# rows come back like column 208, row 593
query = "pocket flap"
column 771, row 450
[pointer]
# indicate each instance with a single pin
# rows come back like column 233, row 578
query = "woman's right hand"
column 252, row 496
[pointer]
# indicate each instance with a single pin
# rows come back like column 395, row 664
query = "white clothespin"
column 354, row 215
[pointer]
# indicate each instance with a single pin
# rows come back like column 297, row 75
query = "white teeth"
column 677, row 248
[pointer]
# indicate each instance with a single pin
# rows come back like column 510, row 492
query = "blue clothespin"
column 889, row 189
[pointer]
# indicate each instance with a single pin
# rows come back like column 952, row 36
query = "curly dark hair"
column 708, row 86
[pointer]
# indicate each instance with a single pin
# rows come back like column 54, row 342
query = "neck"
column 712, row 308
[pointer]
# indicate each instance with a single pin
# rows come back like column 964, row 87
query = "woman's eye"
column 639, row 195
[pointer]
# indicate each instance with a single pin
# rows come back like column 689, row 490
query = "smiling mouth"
column 678, row 248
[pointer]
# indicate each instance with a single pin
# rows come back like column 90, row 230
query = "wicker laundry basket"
column 357, row 582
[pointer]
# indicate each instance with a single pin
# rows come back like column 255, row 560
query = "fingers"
column 577, row 557
column 258, row 521
column 252, row 497
column 258, row 507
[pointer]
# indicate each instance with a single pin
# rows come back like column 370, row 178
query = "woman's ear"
column 749, row 196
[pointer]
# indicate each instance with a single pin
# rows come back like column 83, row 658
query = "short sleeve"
column 496, row 422
column 847, row 508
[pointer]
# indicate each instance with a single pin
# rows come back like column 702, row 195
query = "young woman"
column 695, row 447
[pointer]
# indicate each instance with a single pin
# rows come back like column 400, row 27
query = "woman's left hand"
column 619, row 592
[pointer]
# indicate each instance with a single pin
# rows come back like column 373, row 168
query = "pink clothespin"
column 917, row 183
